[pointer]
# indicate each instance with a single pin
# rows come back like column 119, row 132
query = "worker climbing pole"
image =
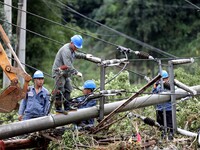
column 57, row 95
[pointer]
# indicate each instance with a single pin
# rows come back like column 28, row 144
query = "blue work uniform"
column 167, row 105
column 160, row 107
column 87, row 104
column 35, row 105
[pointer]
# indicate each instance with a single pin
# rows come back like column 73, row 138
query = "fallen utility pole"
column 51, row 121
column 104, row 121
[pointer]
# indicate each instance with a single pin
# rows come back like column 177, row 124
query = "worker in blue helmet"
column 64, row 61
column 167, row 107
column 37, row 100
column 88, row 88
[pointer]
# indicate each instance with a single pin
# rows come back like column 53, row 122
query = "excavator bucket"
column 9, row 98
column 13, row 93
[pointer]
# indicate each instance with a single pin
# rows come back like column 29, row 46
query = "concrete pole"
column 8, row 15
column 102, row 87
column 173, row 97
column 164, row 105
column 51, row 121
column 21, row 51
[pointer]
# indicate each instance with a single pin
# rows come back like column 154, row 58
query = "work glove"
column 63, row 67
column 20, row 117
column 79, row 74
column 88, row 56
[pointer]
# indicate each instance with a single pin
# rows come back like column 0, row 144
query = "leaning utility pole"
column 51, row 121
column 21, row 32
column 8, row 17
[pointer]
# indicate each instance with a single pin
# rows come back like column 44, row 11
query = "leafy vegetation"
column 187, row 118
column 172, row 26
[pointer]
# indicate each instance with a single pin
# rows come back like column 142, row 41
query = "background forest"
column 165, row 29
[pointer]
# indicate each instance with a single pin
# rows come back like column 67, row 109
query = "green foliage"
column 188, row 111
column 168, row 25
column 6, row 118
column 190, row 79
column 121, row 82
column 71, row 139
column 188, row 115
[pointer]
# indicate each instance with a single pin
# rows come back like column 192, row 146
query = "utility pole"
column 52, row 121
column 8, row 15
column 171, row 65
column 102, row 87
column 21, row 33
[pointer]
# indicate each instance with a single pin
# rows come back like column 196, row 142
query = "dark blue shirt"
column 88, row 103
column 167, row 105
column 35, row 105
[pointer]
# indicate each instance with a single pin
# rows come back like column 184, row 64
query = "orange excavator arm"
column 10, row 96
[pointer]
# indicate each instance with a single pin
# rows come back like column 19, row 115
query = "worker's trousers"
column 63, row 96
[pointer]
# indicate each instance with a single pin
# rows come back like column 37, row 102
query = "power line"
column 167, row 59
column 32, row 68
column 120, row 33
column 57, row 42
column 171, row 6
column 40, row 35
column 139, row 74
column 193, row 4
column 54, row 22
column 48, row 37
column 59, row 23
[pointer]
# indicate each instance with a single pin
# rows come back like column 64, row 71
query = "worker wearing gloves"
column 168, row 107
column 36, row 104
column 83, row 102
column 64, row 61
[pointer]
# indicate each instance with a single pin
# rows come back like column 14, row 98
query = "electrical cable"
column 115, row 74
column 80, row 31
column 122, row 34
column 110, row 79
column 43, row 35
column 139, row 74
column 171, row 6
column 29, row 66
column 43, row 19
column 75, row 86
column 163, row 59
column 149, row 93
column 54, row 22
column 193, row 4
column 40, row 35
column 57, row 42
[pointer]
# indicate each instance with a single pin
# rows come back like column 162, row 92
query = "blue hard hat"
column 89, row 84
column 77, row 40
column 38, row 74
column 164, row 74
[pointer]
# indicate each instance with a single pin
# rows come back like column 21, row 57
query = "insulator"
column 114, row 61
column 182, row 61
column 111, row 91
column 124, row 49
column 143, row 55
column 95, row 59
column 149, row 121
